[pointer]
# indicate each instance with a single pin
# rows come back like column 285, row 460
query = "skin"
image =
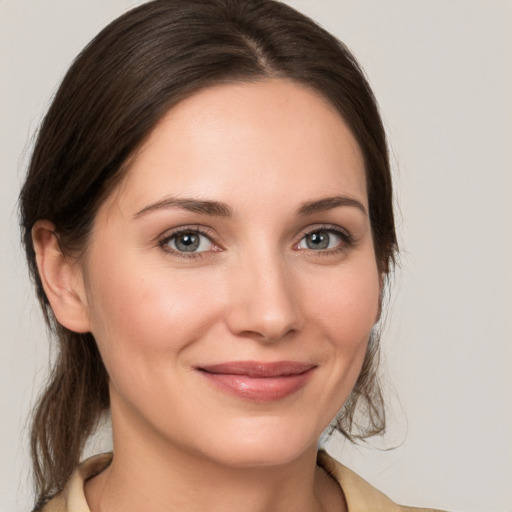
column 255, row 291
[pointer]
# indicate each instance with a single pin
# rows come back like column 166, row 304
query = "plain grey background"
column 442, row 72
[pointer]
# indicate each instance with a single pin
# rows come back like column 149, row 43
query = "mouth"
column 259, row 381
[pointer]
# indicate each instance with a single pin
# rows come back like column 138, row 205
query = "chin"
column 267, row 443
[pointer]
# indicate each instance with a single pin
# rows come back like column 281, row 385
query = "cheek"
column 342, row 308
column 348, row 306
column 145, row 311
column 346, row 313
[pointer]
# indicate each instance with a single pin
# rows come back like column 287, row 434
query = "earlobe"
column 61, row 278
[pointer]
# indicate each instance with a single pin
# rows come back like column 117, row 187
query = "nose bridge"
column 264, row 301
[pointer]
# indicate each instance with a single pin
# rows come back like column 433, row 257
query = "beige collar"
column 359, row 494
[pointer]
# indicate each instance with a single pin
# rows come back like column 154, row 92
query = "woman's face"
column 230, row 280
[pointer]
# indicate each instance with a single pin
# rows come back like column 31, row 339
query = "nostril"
column 265, row 333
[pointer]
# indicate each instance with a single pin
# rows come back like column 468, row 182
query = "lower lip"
column 259, row 389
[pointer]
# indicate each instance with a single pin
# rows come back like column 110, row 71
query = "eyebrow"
column 328, row 203
column 214, row 208
column 219, row 209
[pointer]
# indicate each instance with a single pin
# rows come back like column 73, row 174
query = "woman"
column 208, row 221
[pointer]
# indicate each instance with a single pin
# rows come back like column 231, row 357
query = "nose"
column 264, row 303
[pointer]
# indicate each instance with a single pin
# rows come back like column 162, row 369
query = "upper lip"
column 257, row 369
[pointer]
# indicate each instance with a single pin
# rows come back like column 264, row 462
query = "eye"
column 188, row 242
column 323, row 239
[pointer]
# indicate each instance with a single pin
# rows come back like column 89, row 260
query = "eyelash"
column 347, row 241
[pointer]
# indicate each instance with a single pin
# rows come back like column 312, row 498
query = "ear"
column 62, row 279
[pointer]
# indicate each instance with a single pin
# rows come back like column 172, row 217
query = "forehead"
column 260, row 140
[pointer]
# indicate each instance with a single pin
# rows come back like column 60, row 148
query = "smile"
column 259, row 382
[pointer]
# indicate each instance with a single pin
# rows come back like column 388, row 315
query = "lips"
column 258, row 381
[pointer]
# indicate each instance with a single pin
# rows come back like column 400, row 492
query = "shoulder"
column 72, row 497
column 359, row 494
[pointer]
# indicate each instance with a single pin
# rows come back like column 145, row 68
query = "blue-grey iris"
column 318, row 240
column 187, row 242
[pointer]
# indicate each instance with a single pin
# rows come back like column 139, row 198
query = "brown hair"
column 115, row 92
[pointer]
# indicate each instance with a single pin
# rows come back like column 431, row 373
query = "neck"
column 149, row 474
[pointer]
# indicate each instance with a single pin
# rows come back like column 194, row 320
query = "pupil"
column 187, row 242
column 318, row 240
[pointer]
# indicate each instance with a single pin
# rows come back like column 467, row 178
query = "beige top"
column 360, row 495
